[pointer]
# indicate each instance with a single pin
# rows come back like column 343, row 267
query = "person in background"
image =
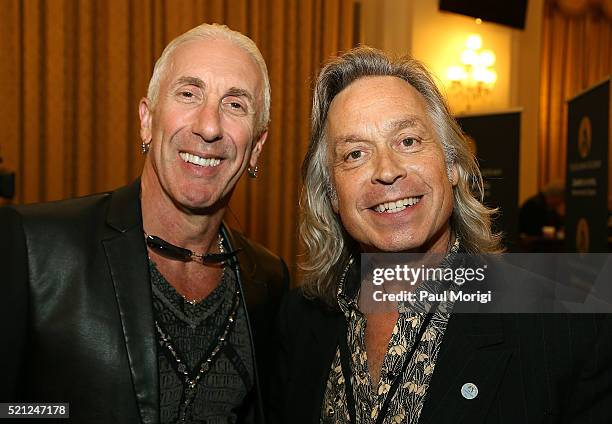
column 7, row 184
column 545, row 209
column 140, row 305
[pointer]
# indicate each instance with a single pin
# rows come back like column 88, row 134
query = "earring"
column 145, row 147
column 253, row 171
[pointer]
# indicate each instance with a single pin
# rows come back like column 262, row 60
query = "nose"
column 388, row 168
column 208, row 124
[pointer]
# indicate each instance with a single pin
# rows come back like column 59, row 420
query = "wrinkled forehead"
column 381, row 104
column 217, row 58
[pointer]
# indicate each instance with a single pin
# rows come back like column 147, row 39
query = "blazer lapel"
column 127, row 260
column 254, row 291
column 472, row 352
column 327, row 328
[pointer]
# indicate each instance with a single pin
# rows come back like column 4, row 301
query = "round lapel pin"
column 469, row 391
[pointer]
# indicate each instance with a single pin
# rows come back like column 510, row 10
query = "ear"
column 333, row 197
column 257, row 147
column 145, row 113
column 453, row 174
column 334, row 204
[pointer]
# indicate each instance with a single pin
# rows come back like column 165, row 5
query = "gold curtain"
column 576, row 53
column 72, row 72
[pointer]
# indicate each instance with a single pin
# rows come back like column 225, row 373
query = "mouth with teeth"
column 200, row 161
column 398, row 205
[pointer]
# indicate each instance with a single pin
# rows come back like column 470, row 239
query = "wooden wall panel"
column 576, row 53
column 34, row 92
column 73, row 71
column 83, row 100
column 11, row 103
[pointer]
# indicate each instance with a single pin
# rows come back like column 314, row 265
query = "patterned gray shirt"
column 408, row 400
column 193, row 329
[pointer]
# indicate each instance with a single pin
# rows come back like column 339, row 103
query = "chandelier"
column 475, row 77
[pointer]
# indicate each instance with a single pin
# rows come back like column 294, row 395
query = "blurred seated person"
column 545, row 209
column 7, row 185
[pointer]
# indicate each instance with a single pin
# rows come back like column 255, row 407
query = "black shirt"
column 193, row 331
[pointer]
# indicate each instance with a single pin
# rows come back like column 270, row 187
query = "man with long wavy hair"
column 388, row 170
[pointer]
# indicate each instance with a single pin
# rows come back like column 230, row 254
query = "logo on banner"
column 582, row 236
column 584, row 137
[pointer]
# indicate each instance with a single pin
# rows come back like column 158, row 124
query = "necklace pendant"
column 192, row 302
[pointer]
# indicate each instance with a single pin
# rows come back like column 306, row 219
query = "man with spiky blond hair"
column 140, row 305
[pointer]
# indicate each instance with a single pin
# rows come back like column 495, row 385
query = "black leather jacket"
column 76, row 316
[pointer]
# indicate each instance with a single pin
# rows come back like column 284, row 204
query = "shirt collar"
column 348, row 285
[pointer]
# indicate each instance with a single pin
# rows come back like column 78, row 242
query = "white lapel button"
column 469, row 391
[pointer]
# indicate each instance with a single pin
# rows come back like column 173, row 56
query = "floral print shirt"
column 407, row 402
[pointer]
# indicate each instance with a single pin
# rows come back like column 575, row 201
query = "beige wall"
column 438, row 40
column 416, row 27
column 387, row 25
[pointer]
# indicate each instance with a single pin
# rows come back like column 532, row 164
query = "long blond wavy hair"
column 328, row 246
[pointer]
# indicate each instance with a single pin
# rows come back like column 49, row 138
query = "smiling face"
column 388, row 168
column 202, row 127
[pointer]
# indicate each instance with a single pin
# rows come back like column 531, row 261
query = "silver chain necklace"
column 190, row 380
column 221, row 251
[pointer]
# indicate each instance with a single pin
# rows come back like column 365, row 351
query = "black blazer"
column 548, row 368
column 76, row 316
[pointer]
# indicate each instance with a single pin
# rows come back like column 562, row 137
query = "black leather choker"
column 171, row 251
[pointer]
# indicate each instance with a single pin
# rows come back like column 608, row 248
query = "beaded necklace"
column 191, row 378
